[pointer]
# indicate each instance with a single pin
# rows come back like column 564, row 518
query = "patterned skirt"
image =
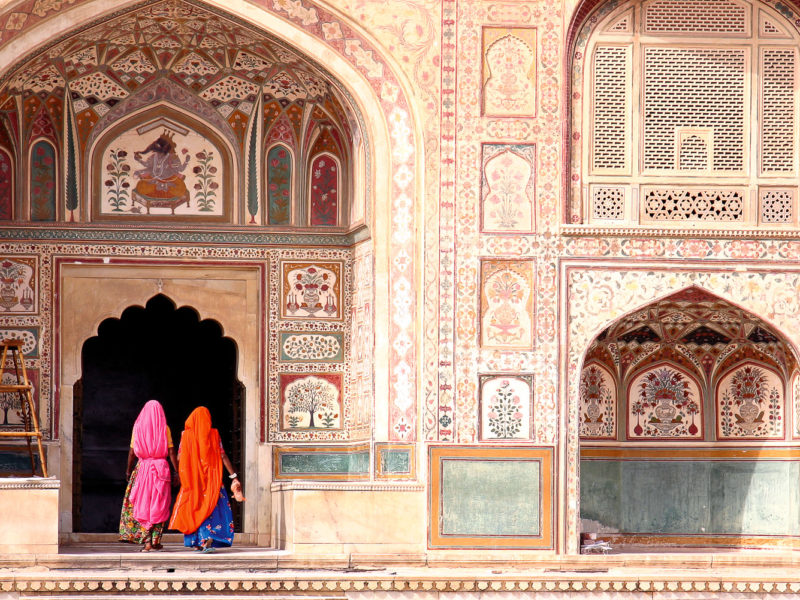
column 130, row 530
column 218, row 527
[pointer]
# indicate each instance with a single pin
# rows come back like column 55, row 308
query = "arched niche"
column 660, row 481
column 390, row 133
column 43, row 180
column 163, row 164
column 91, row 293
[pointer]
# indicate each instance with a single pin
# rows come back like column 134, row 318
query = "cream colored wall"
column 229, row 295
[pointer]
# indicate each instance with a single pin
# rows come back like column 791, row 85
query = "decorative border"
column 410, row 449
column 543, row 455
column 686, row 585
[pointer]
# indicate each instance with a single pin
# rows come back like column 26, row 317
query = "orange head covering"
column 200, row 468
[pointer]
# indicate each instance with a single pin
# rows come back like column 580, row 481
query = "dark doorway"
column 156, row 352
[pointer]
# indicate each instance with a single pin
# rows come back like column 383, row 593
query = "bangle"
column 233, row 475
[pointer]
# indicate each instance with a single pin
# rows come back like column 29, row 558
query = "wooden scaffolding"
column 12, row 351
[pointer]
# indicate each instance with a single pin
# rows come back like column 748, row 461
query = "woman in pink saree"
column 147, row 499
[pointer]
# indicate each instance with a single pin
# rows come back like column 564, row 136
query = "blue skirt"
column 218, row 526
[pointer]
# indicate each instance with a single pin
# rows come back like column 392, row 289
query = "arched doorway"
column 157, row 351
column 686, row 428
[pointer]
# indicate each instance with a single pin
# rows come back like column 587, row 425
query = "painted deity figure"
column 161, row 182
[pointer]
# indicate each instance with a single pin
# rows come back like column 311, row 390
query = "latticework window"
column 688, row 114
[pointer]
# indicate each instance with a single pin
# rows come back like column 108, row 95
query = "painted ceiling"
column 695, row 329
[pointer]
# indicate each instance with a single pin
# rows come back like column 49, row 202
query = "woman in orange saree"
column 202, row 510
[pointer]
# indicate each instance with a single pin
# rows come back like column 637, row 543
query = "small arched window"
column 324, row 186
column 6, row 185
column 279, row 185
column 43, row 182
column 685, row 112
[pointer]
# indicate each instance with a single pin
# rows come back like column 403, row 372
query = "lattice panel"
column 610, row 107
column 695, row 16
column 608, row 202
column 777, row 109
column 681, row 204
column 694, row 88
column 776, row 205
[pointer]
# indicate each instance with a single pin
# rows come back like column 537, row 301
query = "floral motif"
column 311, row 402
column 598, row 403
column 505, row 407
column 751, row 404
column 279, row 186
column 664, row 403
column 206, row 186
column 324, row 191
column 117, row 182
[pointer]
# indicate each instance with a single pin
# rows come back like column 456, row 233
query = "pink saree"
column 150, row 495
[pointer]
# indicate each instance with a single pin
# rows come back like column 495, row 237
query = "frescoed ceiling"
column 694, row 328
column 227, row 65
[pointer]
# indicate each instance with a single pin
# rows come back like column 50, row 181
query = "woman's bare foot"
column 148, row 546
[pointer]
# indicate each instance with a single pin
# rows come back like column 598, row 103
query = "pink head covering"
column 150, row 494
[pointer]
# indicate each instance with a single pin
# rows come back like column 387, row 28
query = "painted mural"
column 311, row 401
column 750, row 403
column 506, row 407
column 598, row 403
column 507, row 188
column 509, row 72
column 507, row 300
column 161, row 168
column 18, row 285
column 311, row 290
column 664, row 403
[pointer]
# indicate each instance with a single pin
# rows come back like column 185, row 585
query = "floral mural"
column 506, row 403
column 279, row 186
column 750, row 403
column 18, row 285
column 311, row 290
column 664, row 402
column 509, row 71
column 325, row 191
column 598, row 403
column 507, row 289
column 43, row 181
column 507, row 188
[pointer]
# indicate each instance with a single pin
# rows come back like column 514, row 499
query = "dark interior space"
column 156, row 352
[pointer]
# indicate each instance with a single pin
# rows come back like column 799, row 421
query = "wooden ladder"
column 24, row 388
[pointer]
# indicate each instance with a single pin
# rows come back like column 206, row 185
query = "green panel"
column 395, row 460
column 490, row 497
column 325, row 462
column 17, row 463
column 692, row 497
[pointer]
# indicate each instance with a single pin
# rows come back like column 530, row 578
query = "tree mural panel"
column 750, row 403
column 279, row 186
column 43, row 179
column 325, row 191
column 311, row 401
column 664, row 403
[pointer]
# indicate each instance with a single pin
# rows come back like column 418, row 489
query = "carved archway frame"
column 393, row 127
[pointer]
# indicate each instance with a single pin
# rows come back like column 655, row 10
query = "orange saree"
column 200, row 468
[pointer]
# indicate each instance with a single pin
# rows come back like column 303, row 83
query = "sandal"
column 147, row 547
